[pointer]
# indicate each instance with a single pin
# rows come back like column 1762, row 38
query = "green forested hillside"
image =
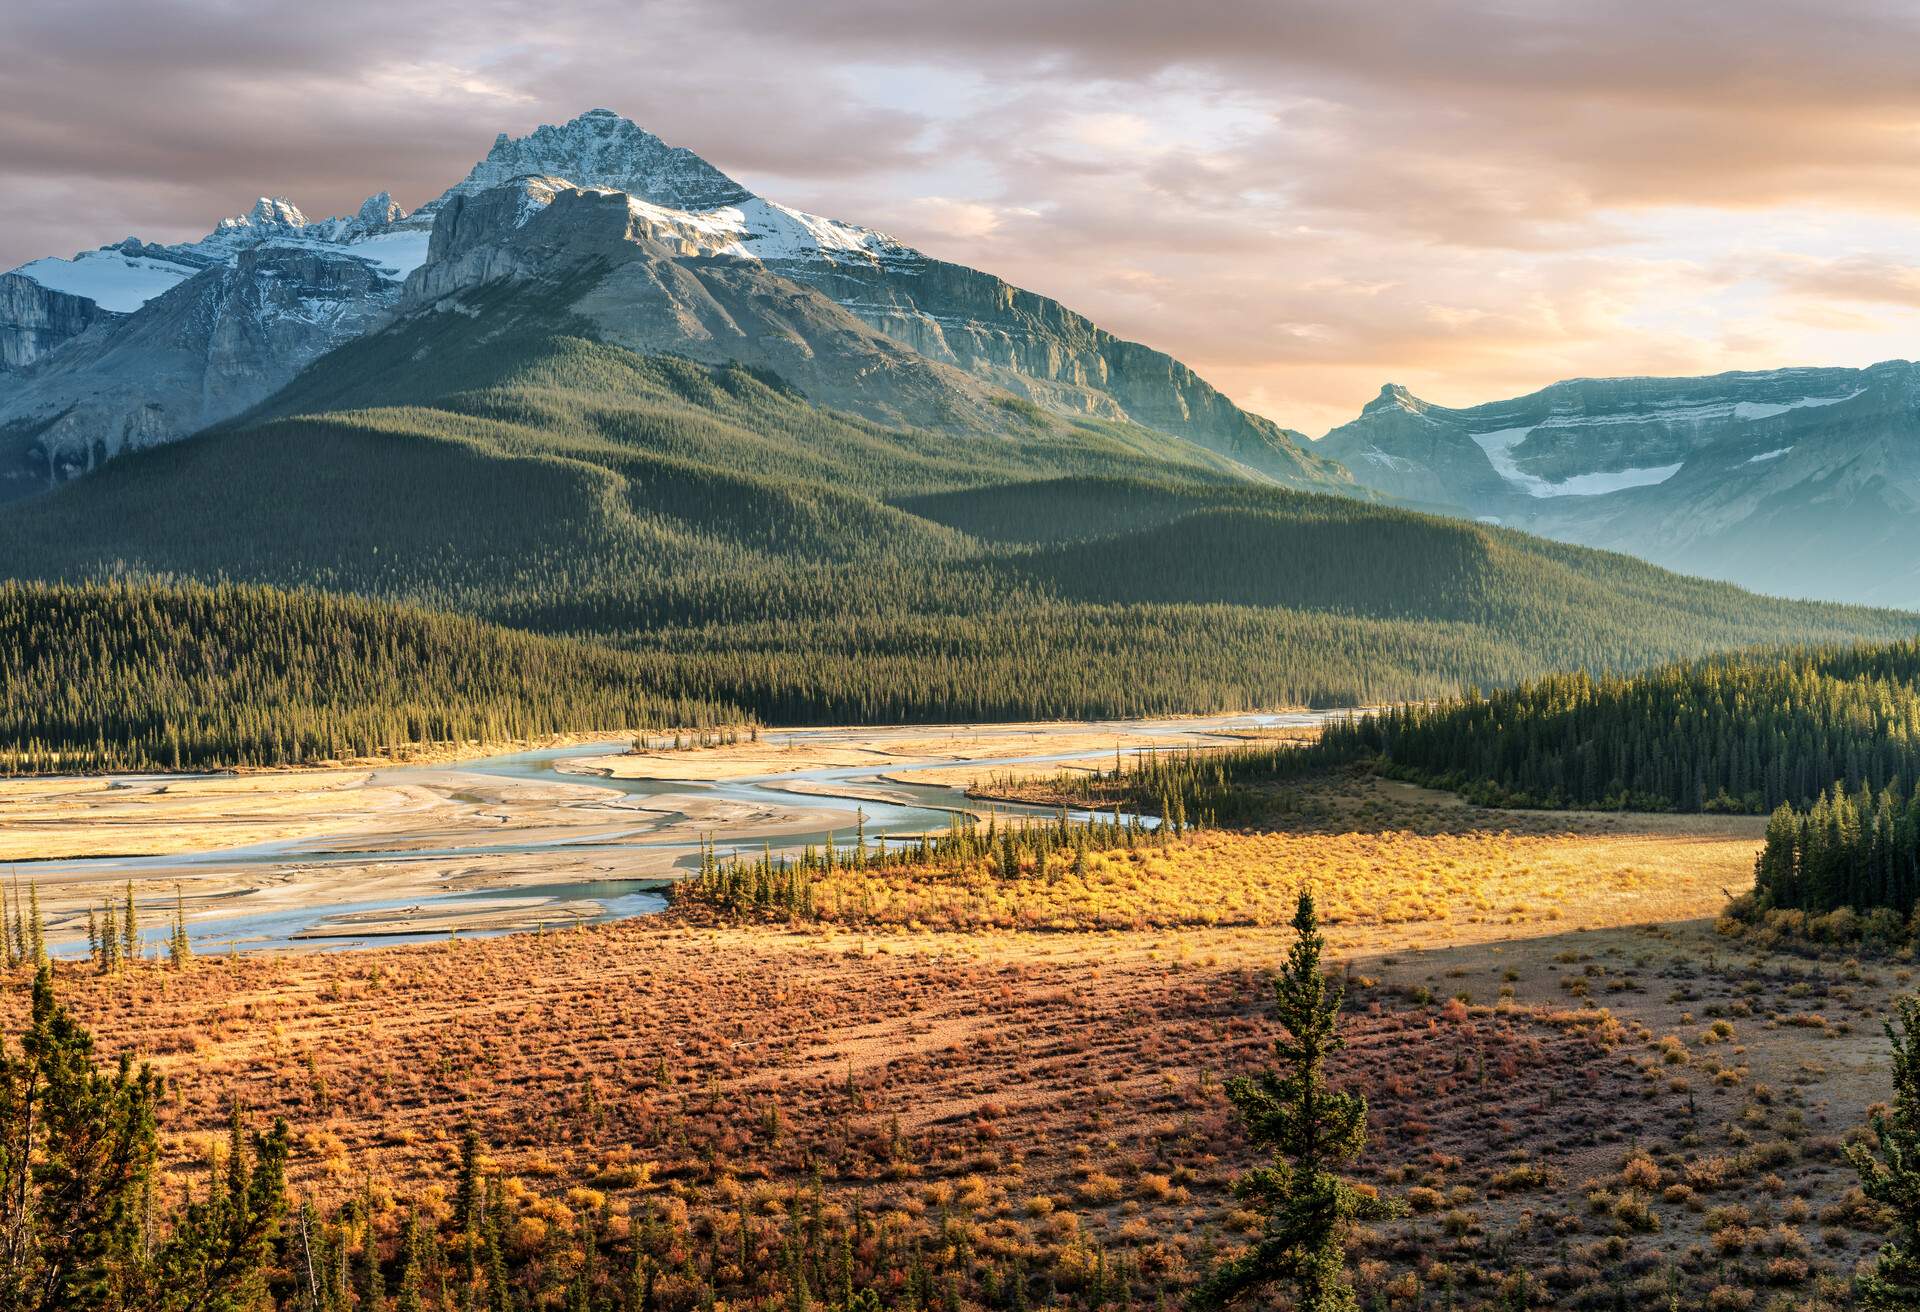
column 742, row 546
column 1057, row 510
column 1742, row 732
column 115, row 678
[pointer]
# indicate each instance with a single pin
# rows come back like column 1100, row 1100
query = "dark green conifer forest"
column 1826, row 738
column 1741, row 733
column 112, row 677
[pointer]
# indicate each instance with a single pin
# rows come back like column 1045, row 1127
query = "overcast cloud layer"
column 1303, row 200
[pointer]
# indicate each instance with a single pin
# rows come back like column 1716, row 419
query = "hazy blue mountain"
column 1796, row 481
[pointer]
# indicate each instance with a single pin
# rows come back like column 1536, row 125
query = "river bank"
column 520, row 841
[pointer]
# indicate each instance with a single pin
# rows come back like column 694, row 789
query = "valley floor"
column 398, row 841
column 1571, row 1075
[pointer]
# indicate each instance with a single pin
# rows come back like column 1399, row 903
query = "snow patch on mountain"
column 392, row 255
column 1768, row 409
column 1381, row 458
column 108, row 277
column 764, row 231
column 1499, row 446
column 1617, row 480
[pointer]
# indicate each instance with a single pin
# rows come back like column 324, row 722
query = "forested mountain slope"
column 806, row 564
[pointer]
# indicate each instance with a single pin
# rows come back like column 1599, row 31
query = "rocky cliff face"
column 618, row 271
column 1800, row 481
column 216, row 344
column 952, row 315
column 1039, row 349
column 34, row 320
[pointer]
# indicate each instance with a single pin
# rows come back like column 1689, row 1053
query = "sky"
column 1302, row 199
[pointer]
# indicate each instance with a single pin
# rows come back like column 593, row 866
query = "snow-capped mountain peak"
column 1395, row 397
column 598, row 183
column 379, row 210
column 674, row 196
column 277, row 219
column 269, row 214
column 600, row 149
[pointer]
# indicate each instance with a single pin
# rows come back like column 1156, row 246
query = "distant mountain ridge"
column 127, row 275
column 244, row 308
column 1795, row 481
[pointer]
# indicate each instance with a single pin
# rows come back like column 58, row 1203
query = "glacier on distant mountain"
column 109, row 277
column 1691, row 473
column 123, row 277
column 1499, row 448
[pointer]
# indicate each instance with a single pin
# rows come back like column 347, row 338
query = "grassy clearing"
column 1377, row 854
column 1220, row 878
column 1568, row 1114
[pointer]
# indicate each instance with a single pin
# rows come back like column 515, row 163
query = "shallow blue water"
column 929, row 809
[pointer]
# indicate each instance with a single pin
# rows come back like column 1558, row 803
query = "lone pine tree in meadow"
column 1890, row 1170
column 82, row 1228
column 1308, row 1130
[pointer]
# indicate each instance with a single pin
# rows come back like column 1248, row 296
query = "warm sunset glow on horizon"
column 1302, row 200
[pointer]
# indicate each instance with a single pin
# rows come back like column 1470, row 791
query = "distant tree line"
column 1827, row 739
column 117, row 677
column 1741, row 733
column 1023, row 846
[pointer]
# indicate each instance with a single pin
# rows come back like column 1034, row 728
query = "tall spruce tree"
column 179, row 946
column 130, row 930
column 109, row 958
column 1890, row 1170
column 1308, row 1131
column 217, row 1256
column 77, row 1148
column 372, row 1281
